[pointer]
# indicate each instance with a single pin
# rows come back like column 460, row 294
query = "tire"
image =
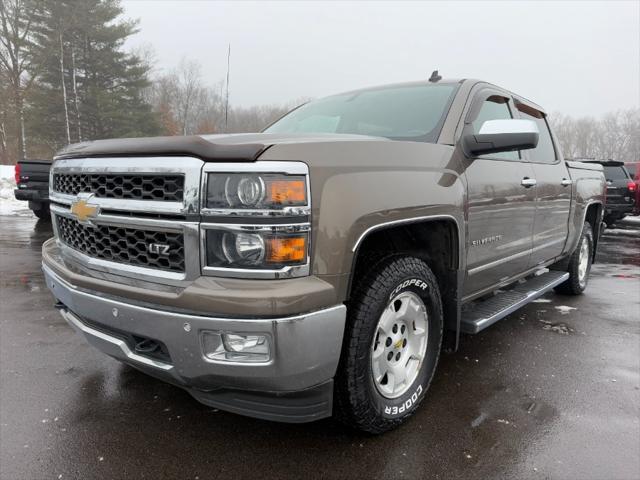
column 579, row 277
column 611, row 219
column 42, row 212
column 389, row 287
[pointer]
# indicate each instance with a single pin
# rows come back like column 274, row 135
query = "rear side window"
column 494, row 108
column 615, row 173
column 544, row 152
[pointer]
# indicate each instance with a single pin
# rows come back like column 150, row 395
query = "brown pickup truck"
column 321, row 266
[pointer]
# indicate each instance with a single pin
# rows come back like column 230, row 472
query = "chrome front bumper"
column 294, row 385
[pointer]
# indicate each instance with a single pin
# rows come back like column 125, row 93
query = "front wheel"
column 392, row 345
column 579, row 264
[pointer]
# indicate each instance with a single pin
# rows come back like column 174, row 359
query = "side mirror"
column 501, row 136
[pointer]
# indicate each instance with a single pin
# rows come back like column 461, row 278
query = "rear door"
column 553, row 191
column 500, row 209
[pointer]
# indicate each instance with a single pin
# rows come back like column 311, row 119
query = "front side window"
column 494, row 108
column 544, row 152
column 408, row 112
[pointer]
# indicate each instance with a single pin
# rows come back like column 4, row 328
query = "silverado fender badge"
column 83, row 210
column 485, row 240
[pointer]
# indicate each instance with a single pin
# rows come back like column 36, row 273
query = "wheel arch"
column 437, row 239
column 593, row 214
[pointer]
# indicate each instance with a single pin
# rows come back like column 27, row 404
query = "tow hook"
column 146, row 346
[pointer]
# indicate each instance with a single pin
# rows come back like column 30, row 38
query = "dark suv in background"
column 621, row 190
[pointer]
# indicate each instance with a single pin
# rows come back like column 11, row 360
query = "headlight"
column 255, row 191
column 270, row 249
column 255, row 220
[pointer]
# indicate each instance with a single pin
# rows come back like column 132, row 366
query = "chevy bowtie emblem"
column 83, row 211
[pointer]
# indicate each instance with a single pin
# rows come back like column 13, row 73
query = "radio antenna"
column 435, row 77
column 226, row 103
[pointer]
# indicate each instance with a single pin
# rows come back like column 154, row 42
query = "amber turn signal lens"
column 286, row 249
column 287, row 192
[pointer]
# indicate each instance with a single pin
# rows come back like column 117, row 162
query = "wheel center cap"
column 398, row 344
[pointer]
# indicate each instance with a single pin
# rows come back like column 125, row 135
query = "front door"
column 500, row 208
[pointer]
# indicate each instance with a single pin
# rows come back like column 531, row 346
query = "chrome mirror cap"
column 501, row 136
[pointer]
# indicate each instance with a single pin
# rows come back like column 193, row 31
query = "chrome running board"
column 479, row 315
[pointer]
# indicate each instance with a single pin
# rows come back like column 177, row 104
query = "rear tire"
column 579, row 264
column 611, row 219
column 43, row 212
column 392, row 345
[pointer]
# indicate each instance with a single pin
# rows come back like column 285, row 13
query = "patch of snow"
column 541, row 300
column 621, row 231
column 635, row 220
column 564, row 309
column 8, row 203
column 478, row 420
column 560, row 328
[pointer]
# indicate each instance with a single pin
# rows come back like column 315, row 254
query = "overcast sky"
column 580, row 58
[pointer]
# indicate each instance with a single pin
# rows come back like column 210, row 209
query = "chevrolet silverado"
column 320, row 267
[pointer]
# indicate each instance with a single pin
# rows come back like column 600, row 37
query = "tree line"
column 65, row 77
column 614, row 136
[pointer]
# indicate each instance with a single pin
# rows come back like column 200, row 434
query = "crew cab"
column 321, row 266
column 32, row 182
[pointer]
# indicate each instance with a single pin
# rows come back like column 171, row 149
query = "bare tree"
column 189, row 94
column 64, row 87
column 615, row 136
column 15, row 61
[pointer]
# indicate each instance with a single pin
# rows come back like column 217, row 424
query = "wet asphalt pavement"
column 553, row 391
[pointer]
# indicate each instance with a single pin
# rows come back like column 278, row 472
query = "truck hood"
column 243, row 147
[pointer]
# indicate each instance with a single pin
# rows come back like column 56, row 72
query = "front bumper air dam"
column 295, row 385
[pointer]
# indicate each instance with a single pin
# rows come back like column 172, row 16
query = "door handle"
column 528, row 182
column 566, row 182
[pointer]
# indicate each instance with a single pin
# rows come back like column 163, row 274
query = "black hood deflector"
column 193, row 146
column 241, row 147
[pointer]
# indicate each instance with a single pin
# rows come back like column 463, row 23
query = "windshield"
column 413, row 112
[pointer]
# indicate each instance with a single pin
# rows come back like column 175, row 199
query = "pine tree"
column 89, row 87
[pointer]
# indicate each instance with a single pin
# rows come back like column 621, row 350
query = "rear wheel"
column 42, row 212
column 392, row 345
column 579, row 264
column 611, row 219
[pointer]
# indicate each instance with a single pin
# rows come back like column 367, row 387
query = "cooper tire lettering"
column 407, row 283
column 388, row 410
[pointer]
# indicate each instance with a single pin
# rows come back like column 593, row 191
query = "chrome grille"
column 167, row 188
column 123, row 245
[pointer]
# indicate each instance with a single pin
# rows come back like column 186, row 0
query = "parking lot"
column 553, row 391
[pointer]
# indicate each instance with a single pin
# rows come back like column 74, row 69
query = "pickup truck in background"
column 321, row 266
column 32, row 182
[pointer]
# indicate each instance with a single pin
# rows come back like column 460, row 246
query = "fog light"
column 235, row 347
